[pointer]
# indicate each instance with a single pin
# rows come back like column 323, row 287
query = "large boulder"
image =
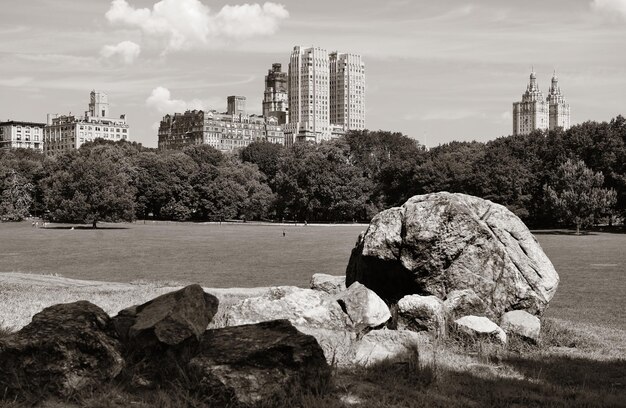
column 522, row 324
column 479, row 328
column 257, row 363
column 437, row 243
column 65, row 348
column 364, row 307
column 328, row 283
column 169, row 319
column 422, row 313
column 302, row 307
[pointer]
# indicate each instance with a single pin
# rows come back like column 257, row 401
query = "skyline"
column 435, row 72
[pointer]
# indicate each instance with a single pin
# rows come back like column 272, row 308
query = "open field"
column 592, row 267
column 580, row 361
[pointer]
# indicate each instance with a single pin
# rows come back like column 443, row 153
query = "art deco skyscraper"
column 532, row 112
column 559, row 114
column 347, row 91
column 309, row 119
column 276, row 95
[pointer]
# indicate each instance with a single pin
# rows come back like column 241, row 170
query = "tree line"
column 548, row 178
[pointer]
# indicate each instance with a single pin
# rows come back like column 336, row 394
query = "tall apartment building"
column 276, row 95
column 15, row 134
column 347, row 91
column 236, row 105
column 67, row 132
column 223, row 131
column 326, row 94
column 309, row 95
column 534, row 112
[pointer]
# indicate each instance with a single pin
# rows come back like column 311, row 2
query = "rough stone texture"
column 363, row 307
column 463, row 303
column 521, row 323
column 328, row 283
column 422, row 313
column 252, row 363
column 437, row 243
column 379, row 345
column 170, row 318
column 65, row 348
column 302, row 307
column 338, row 345
column 480, row 327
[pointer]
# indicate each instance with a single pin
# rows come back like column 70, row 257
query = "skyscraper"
column 559, row 115
column 536, row 113
column 276, row 95
column 309, row 118
column 347, row 91
column 236, row 105
column 532, row 112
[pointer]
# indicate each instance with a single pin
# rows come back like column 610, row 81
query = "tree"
column 578, row 195
column 15, row 196
column 264, row 154
column 92, row 184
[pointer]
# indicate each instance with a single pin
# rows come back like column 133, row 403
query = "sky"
column 436, row 71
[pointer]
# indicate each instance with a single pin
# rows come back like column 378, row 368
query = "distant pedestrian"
column 284, row 233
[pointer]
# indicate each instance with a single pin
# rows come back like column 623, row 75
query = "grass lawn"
column 579, row 363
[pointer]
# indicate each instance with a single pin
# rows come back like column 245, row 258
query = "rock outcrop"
column 302, row 307
column 260, row 362
column 328, row 283
column 365, row 309
column 522, row 324
column 65, row 348
column 463, row 303
column 438, row 243
column 479, row 328
column 422, row 313
column 169, row 319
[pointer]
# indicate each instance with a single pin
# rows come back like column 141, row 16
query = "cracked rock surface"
column 438, row 243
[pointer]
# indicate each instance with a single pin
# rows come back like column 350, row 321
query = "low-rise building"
column 223, row 131
column 66, row 132
column 16, row 134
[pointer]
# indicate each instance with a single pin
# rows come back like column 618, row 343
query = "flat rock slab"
column 258, row 362
column 522, row 324
column 65, row 348
column 480, row 327
column 170, row 318
column 328, row 283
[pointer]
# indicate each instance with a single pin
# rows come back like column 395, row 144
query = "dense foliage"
column 348, row 179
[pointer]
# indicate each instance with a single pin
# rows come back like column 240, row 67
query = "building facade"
column 223, row 131
column 67, row 132
column 236, row 105
column 276, row 95
column 347, row 91
column 534, row 112
column 559, row 114
column 309, row 95
column 27, row 135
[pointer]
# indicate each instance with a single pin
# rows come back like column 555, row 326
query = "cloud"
column 188, row 24
column 127, row 51
column 612, row 8
column 16, row 82
column 161, row 100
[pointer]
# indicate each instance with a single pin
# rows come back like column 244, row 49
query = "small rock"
column 363, row 307
column 328, row 283
column 253, row 363
column 521, row 323
column 65, row 348
column 480, row 327
column 379, row 345
column 170, row 318
column 419, row 313
column 463, row 302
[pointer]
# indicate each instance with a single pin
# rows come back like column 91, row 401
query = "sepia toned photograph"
column 312, row 204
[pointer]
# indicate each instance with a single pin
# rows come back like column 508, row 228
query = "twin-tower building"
column 534, row 112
